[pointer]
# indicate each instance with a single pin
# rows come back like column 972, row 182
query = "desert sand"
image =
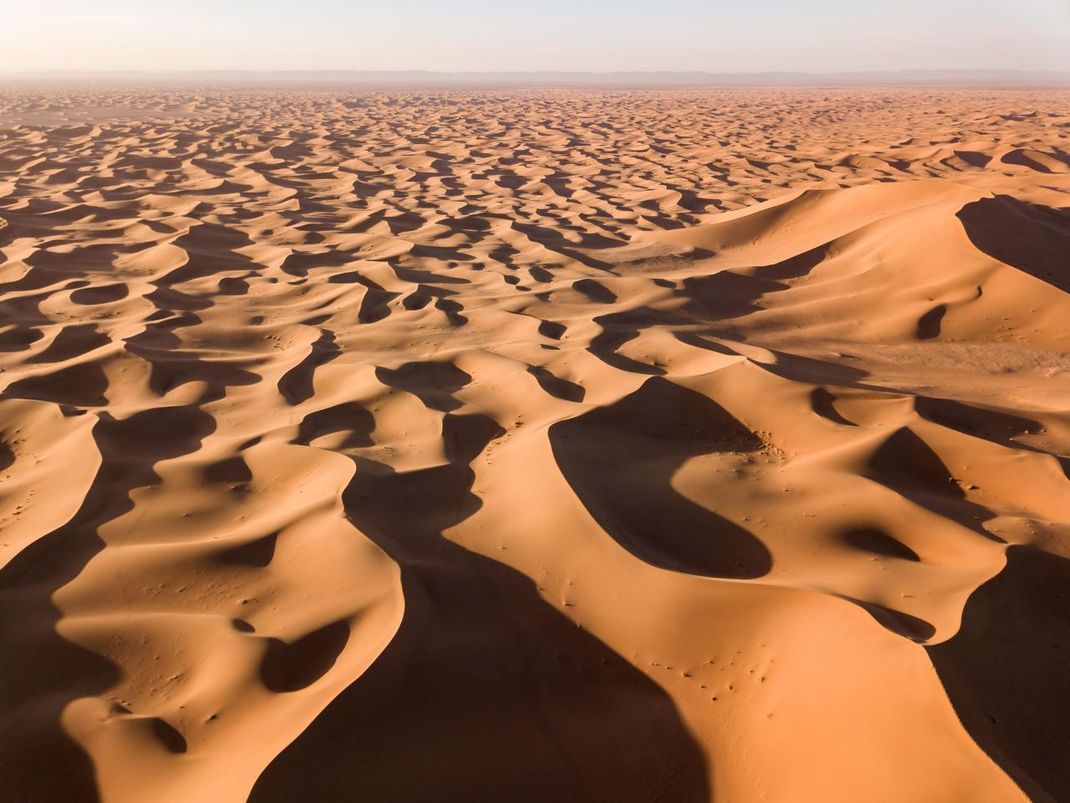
column 534, row 445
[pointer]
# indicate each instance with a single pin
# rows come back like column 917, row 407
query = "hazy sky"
column 600, row 35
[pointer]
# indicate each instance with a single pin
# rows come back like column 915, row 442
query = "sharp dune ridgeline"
column 534, row 445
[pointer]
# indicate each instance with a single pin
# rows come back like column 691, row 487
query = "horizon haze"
column 593, row 36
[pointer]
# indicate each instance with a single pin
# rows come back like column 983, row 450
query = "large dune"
column 534, row 445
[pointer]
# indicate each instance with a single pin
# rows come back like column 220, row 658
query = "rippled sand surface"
column 534, row 445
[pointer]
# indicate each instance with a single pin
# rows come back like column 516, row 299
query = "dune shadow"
column 1005, row 670
column 619, row 328
column 485, row 693
column 38, row 761
column 296, row 385
column 908, row 465
column 992, row 424
column 620, row 461
column 730, row 294
column 1032, row 238
column 898, row 622
column 433, row 383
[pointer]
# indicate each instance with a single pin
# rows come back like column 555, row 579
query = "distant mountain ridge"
column 433, row 79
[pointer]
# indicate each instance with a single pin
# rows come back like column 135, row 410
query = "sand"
column 534, row 445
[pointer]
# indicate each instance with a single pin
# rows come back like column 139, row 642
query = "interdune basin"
column 534, row 445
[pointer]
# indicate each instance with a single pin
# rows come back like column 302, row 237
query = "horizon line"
column 363, row 71
column 416, row 78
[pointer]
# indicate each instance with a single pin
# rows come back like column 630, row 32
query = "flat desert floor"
column 534, row 445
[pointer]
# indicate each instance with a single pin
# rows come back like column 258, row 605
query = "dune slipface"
column 534, row 445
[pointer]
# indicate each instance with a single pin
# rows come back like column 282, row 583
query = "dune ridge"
column 534, row 445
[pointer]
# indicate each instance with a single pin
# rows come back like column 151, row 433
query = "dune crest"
column 533, row 445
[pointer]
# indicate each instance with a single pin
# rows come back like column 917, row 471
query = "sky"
column 537, row 35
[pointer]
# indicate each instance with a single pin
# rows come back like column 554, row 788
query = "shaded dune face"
column 527, row 445
column 996, row 670
column 498, row 694
column 620, row 460
column 1031, row 237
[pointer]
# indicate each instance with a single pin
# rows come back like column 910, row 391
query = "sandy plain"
column 534, row 445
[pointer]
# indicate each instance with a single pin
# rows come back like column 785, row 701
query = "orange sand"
column 534, row 446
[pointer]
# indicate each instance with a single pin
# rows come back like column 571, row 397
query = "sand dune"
column 534, row 445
